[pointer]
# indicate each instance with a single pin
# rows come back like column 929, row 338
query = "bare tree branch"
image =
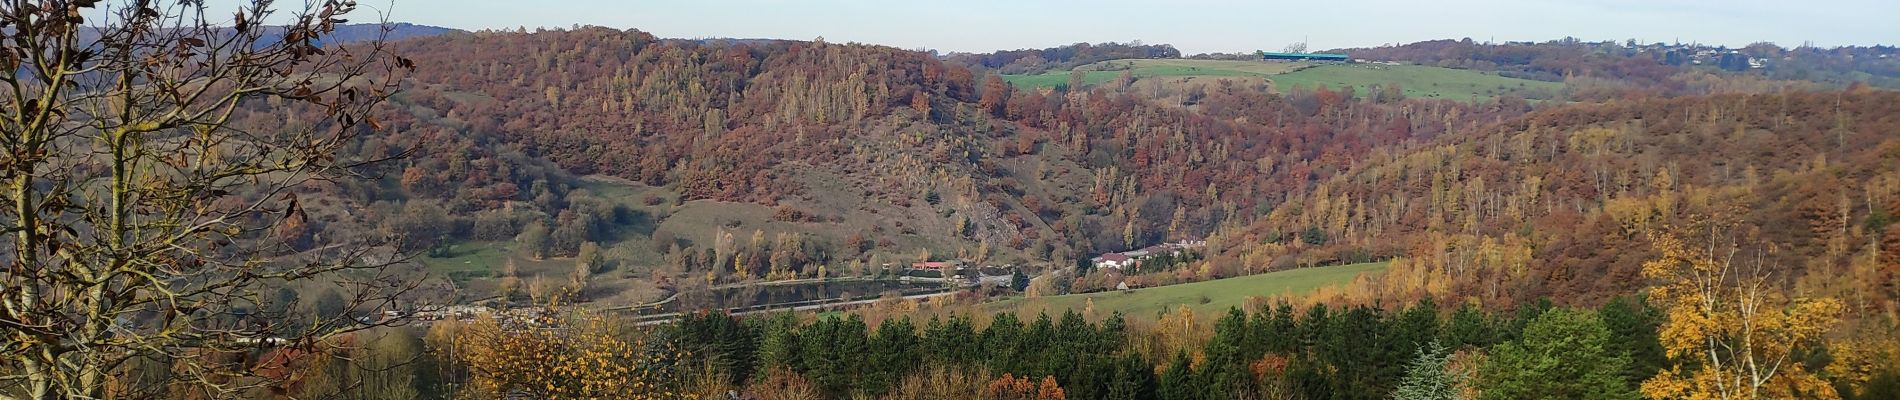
column 141, row 209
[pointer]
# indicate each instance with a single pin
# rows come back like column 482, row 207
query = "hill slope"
column 1563, row 202
column 737, row 160
column 848, row 131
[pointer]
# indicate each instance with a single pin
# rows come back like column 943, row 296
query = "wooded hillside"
column 1500, row 199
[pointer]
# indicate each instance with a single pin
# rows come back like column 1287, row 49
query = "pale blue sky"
column 1194, row 26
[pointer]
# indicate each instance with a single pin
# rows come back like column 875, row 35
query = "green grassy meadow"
column 1418, row 81
column 476, row 260
column 1219, row 294
column 473, row 265
column 1105, row 71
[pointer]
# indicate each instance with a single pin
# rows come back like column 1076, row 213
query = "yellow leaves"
column 1809, row 319
column 1869, row 350
column 1594, row 140
column 1668, row 384
column 576, row 357
column 1730, row 333
column 1684, row 332
column 1177, row 331
column 1674, row 255
column 1633, row 214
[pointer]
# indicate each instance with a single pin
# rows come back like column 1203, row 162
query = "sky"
column 1193, row 26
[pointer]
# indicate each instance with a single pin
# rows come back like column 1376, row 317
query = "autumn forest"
column 324, row 209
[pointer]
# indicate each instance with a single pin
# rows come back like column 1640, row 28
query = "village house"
column 1134, row 257
column 1112, row 260
column 933, row 265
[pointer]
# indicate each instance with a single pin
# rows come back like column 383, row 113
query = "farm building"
column 1112, row 260
column 1304, row 57
column 936, row 265
column 1134, row 257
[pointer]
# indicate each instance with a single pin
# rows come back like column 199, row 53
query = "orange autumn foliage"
column 1730, row 334
column 1010, row 387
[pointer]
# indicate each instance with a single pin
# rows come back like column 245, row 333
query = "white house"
column 1113, row 260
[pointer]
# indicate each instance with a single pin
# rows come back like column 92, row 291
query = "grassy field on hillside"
column 1417, row 80
column 1107, row 70
column 483, row 259
column 1205, row 298
column 468, row 260
column 1058, row 78
column 472, row 266
column 1180, row 67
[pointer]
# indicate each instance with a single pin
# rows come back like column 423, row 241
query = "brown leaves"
column 292, row 211
column 1010, row 387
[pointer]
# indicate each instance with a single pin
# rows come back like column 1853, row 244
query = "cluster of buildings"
column 1741, row 59
column 1134, row 258
column 1732, row 60
column 471, row 312
column 940, row 266
column 964, row 272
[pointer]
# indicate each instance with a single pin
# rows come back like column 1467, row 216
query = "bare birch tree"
column 1729, row 332
column 140, row 213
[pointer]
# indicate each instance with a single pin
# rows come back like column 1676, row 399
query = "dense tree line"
column 1279, row 351
column 1317, row 352
column 1653, row 68
column 1060, row 58
column 1550, row 61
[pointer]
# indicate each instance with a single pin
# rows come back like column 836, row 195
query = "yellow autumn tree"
column 1173, row 332
column 940, row 383
column 510, row 284
column 1729, row 333
column 1864, row 354
column 562, row 357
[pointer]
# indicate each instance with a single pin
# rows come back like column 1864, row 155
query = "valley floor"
column 1204, row 298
